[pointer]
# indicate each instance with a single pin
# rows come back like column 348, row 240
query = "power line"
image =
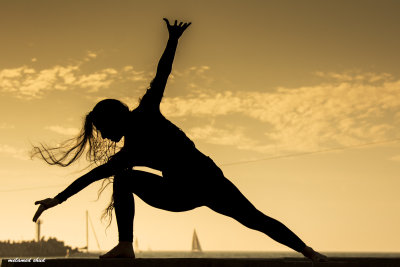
column 250, row 161
column 310, row 152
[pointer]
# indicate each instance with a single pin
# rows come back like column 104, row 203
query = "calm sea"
column 254, row 254
column 246, row 254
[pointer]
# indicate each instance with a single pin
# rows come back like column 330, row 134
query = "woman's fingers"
column 180, row 25
column 184, row 26
column 38, row 212
column 39, row 202
column 44, row 205
column 43, row 201
column 176, row 29
column 166, row 21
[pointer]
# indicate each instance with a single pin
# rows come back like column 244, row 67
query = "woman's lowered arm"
column 155, row 93
column 117, row 163
column 98, row 173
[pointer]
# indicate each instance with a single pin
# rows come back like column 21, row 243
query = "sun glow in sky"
column 251, row 80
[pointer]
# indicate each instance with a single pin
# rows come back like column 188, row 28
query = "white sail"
column 136, row 245
column 195, row 243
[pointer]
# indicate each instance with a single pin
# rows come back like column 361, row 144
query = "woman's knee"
column 121, row 179
column 135, row 181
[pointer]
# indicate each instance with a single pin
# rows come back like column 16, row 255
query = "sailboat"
column 86, row 248
column 196, row 243
column 136, row 245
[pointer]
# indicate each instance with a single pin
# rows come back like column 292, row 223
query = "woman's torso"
column 155, row 142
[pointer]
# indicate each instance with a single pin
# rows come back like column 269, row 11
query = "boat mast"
column 87, row 231
column 38, row 223
column 94, row 232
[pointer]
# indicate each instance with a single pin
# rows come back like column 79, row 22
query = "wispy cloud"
column 395, row 158
column 63, row 130
column 344, row 109
column 206, row 104
column 350, row 109
column 14, row 152
column 4, row 125
column 28, row 82
column 355, row 76
column 96, row 81
column 213, row 135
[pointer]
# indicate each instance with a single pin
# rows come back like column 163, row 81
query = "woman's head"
column 108, row 116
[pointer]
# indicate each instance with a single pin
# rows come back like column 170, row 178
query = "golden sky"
column 251, row 80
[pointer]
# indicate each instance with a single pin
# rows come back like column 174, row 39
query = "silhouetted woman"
column 190, row 179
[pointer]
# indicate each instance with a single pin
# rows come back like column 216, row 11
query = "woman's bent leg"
column 160, row 192
column 226, row 199
column 124, row 206
column 155, row 190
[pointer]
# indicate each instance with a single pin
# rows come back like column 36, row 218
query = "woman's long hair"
column 98, row 150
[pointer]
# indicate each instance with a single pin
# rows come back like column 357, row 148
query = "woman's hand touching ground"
column 44, row 205
column 176, row 30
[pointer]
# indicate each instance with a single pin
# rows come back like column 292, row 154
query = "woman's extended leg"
column 226, row 199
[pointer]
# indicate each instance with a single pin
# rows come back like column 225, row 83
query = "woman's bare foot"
column 313, row 255
column 122, row 250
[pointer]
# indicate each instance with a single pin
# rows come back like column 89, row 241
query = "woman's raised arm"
column 155, row 93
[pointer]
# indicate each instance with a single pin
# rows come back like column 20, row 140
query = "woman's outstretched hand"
column 176, row 30
column 44, row 205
